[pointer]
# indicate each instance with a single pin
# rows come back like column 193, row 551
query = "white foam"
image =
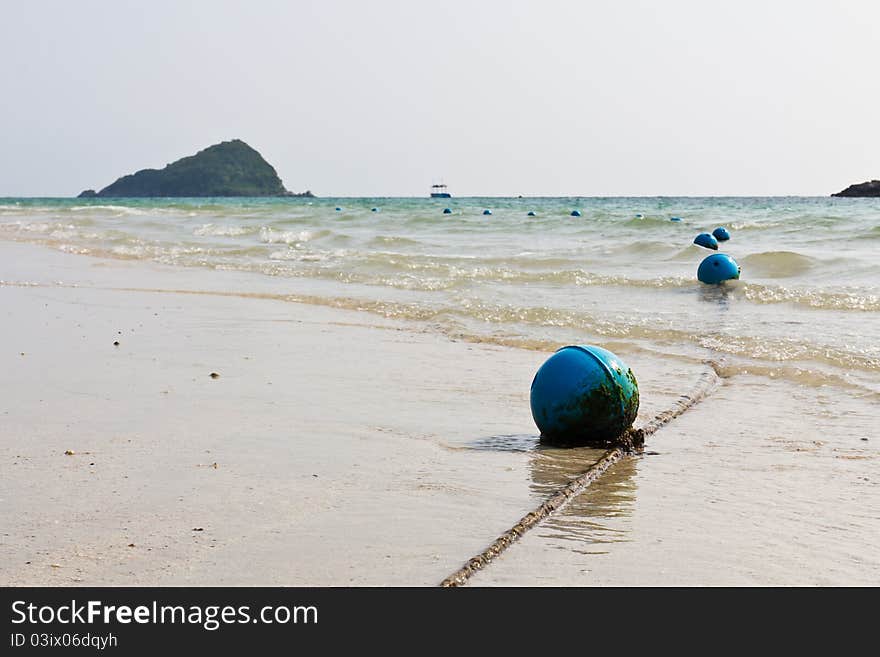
column 271, row 236
column 223, row 230
column 119, row 209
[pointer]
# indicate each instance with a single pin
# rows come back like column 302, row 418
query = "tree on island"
column 230, row 168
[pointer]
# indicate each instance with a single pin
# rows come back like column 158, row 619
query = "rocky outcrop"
column 865, row 189
column 230, row 168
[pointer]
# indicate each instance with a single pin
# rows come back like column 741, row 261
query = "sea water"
column 807, row 307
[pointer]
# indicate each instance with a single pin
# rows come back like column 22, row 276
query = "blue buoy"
column 487, row 212
column 447, row 211
column 706, row 240
column 583, row 394
column 717, row 268
column 339, row 209
column 640, row 216
column 531, row 213
column 721, row 234
column 374, row 209
column 674, row 218
column 575, row 213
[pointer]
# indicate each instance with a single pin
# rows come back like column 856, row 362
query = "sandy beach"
column 337, row 447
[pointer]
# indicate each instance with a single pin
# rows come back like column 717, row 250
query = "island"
column 230, row 168
column 861, row 190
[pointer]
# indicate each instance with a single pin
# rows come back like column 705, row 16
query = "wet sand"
column 328, row 436
column 721, row 497
column 339, row 448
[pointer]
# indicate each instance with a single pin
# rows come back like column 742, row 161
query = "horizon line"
column 454, row 198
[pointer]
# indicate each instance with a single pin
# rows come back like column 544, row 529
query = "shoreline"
column 351, row 449
column 316, row 482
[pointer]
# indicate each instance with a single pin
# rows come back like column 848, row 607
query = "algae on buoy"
column 717, row 268
column 583, row 394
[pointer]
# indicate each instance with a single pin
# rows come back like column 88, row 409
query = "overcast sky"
column 378, row 98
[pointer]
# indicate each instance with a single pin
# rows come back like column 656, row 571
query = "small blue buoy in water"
column 721, row 234
column 339, row 209
column 674, row 218
column 640, row 216
column 706, row 240
column 583, row 393
column 531, row 213
column 447, row 210
column 575, row 213
column 374, row 209
column 717, row 268
column 487, row 212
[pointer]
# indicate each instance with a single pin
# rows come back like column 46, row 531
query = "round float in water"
column 583, row 394
column 706, row 240
column 721, row 234
column 575, row 213
column 487, row 212
column 447, row 210
column 531, row 213
column 717, row 268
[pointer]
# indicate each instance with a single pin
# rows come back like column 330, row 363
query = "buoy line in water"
column 629, row 443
